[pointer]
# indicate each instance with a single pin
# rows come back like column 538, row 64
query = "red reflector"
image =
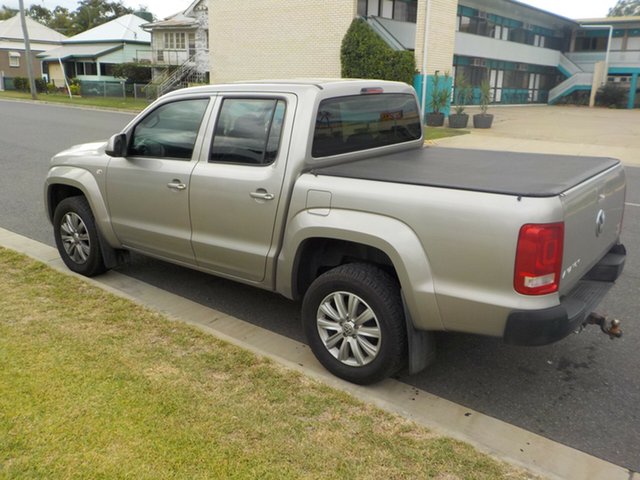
column 539, row 258
column 372, row 90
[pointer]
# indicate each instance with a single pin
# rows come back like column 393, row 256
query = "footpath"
column 564, row 130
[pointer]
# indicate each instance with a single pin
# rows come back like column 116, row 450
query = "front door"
column 237, row 192
column 148, row 191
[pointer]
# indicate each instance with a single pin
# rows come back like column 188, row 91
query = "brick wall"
column 277, row 39
column 442, row 31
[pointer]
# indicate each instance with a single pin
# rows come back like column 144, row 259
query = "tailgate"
column 593, row 223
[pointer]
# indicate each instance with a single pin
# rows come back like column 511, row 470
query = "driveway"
column 560, row 129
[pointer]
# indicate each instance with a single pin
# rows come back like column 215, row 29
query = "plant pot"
column 482, row 120
column 435, row 119
column 458, row 120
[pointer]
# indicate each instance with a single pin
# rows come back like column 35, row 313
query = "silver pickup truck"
column 323, row 191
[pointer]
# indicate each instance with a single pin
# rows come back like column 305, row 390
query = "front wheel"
column 354, row 322
column 77, row 237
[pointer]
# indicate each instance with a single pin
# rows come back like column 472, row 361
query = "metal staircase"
column 577, row 79
column 175, row 79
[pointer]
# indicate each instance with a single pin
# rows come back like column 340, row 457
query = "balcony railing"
column 168, row 56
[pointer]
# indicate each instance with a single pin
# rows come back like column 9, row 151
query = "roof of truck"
column 331, row 85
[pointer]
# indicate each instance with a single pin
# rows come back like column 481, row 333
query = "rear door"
column 148, row 190
column 237, row 188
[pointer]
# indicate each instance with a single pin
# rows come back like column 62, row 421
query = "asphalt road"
column 583, row 392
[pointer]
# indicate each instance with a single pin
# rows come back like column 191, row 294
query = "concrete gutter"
column 528, row 450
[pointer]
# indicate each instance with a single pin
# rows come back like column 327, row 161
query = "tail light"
column 539, row 258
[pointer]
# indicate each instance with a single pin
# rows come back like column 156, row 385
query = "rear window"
column 360, row 122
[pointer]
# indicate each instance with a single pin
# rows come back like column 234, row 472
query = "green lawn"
column 132, row 104
column 435, row 133
column 95, row 386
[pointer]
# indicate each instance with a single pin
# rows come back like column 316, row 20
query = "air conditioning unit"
column 479, row 62
column 482, row 14
column 527, row 26
column 523, row 67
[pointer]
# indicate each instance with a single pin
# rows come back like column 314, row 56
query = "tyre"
column 77, row 237
column 354, row 323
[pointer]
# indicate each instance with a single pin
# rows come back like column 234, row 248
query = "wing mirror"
column 117, row 145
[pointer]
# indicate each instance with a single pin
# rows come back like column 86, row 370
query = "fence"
column 104, row 89
column 114, row 89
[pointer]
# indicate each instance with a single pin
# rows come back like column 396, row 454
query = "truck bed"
column 509, row 173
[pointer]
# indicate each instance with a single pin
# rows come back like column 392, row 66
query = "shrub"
column 21, row 84
column 612, row 95
column 364, row 54
column 133, row 72
column 74, row 88
column 41, row 85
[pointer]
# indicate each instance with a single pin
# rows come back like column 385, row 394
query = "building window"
column 175, row 41
column 362, row 8
column 86, row 68
column 106, row 69
column 14, row 59
column 591, row 44
column 401, row 10
column 405, row 11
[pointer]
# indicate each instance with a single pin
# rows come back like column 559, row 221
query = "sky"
column 164, row 8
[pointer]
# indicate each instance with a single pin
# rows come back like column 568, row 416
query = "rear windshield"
column 359, row 122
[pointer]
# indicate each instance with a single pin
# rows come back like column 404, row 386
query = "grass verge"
column 132, row 104
column 435, row 133
column 95, row 386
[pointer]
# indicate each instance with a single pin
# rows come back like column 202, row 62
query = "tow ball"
column 610, row 327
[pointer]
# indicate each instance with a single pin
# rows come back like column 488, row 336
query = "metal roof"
column 79, row 51
column 122, row 29
column 11, row 29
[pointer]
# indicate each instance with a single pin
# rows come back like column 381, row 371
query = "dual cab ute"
column 323, row 191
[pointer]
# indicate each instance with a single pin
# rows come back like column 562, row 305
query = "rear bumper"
column 541, row 327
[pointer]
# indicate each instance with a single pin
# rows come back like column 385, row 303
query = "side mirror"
column 117, row 145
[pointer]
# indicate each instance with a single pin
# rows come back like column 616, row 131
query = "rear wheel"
column 77, row 237
column 354, row 323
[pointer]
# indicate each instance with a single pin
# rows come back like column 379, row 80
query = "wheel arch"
column 64, row 182
column 314, row 244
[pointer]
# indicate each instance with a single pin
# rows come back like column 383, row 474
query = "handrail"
column 582, row 79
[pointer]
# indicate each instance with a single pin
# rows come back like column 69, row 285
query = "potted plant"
column 462, row 97
column 484, row 119
column 438, row 101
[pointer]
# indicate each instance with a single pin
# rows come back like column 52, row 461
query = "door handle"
column 176, row 185
column 262, row 195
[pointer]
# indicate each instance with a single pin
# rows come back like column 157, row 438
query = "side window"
column 169, row 131
column 248, row 131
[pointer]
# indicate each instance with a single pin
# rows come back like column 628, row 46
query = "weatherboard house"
column 527, row 55
column 91, row 55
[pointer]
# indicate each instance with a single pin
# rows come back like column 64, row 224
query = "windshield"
column 360, row 122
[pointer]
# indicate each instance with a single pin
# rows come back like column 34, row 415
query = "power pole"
column 27, row 51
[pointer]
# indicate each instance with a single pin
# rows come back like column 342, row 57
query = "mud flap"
column 421, row 345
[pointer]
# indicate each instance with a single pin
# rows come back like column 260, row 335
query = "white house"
column 91, row 55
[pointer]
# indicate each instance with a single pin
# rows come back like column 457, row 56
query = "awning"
column 79, row 51
column 14, row 54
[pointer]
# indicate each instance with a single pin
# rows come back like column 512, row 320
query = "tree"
column 40, row 14
column 61, row 21
column 364, row 54
column 91, row 13
column 7, row 12
column 625, row 8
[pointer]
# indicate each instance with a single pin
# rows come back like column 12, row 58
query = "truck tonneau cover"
column 508, row 173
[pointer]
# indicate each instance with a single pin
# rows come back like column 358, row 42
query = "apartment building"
column 528, row 55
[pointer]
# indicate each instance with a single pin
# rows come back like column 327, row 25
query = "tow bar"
column 610, row 327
